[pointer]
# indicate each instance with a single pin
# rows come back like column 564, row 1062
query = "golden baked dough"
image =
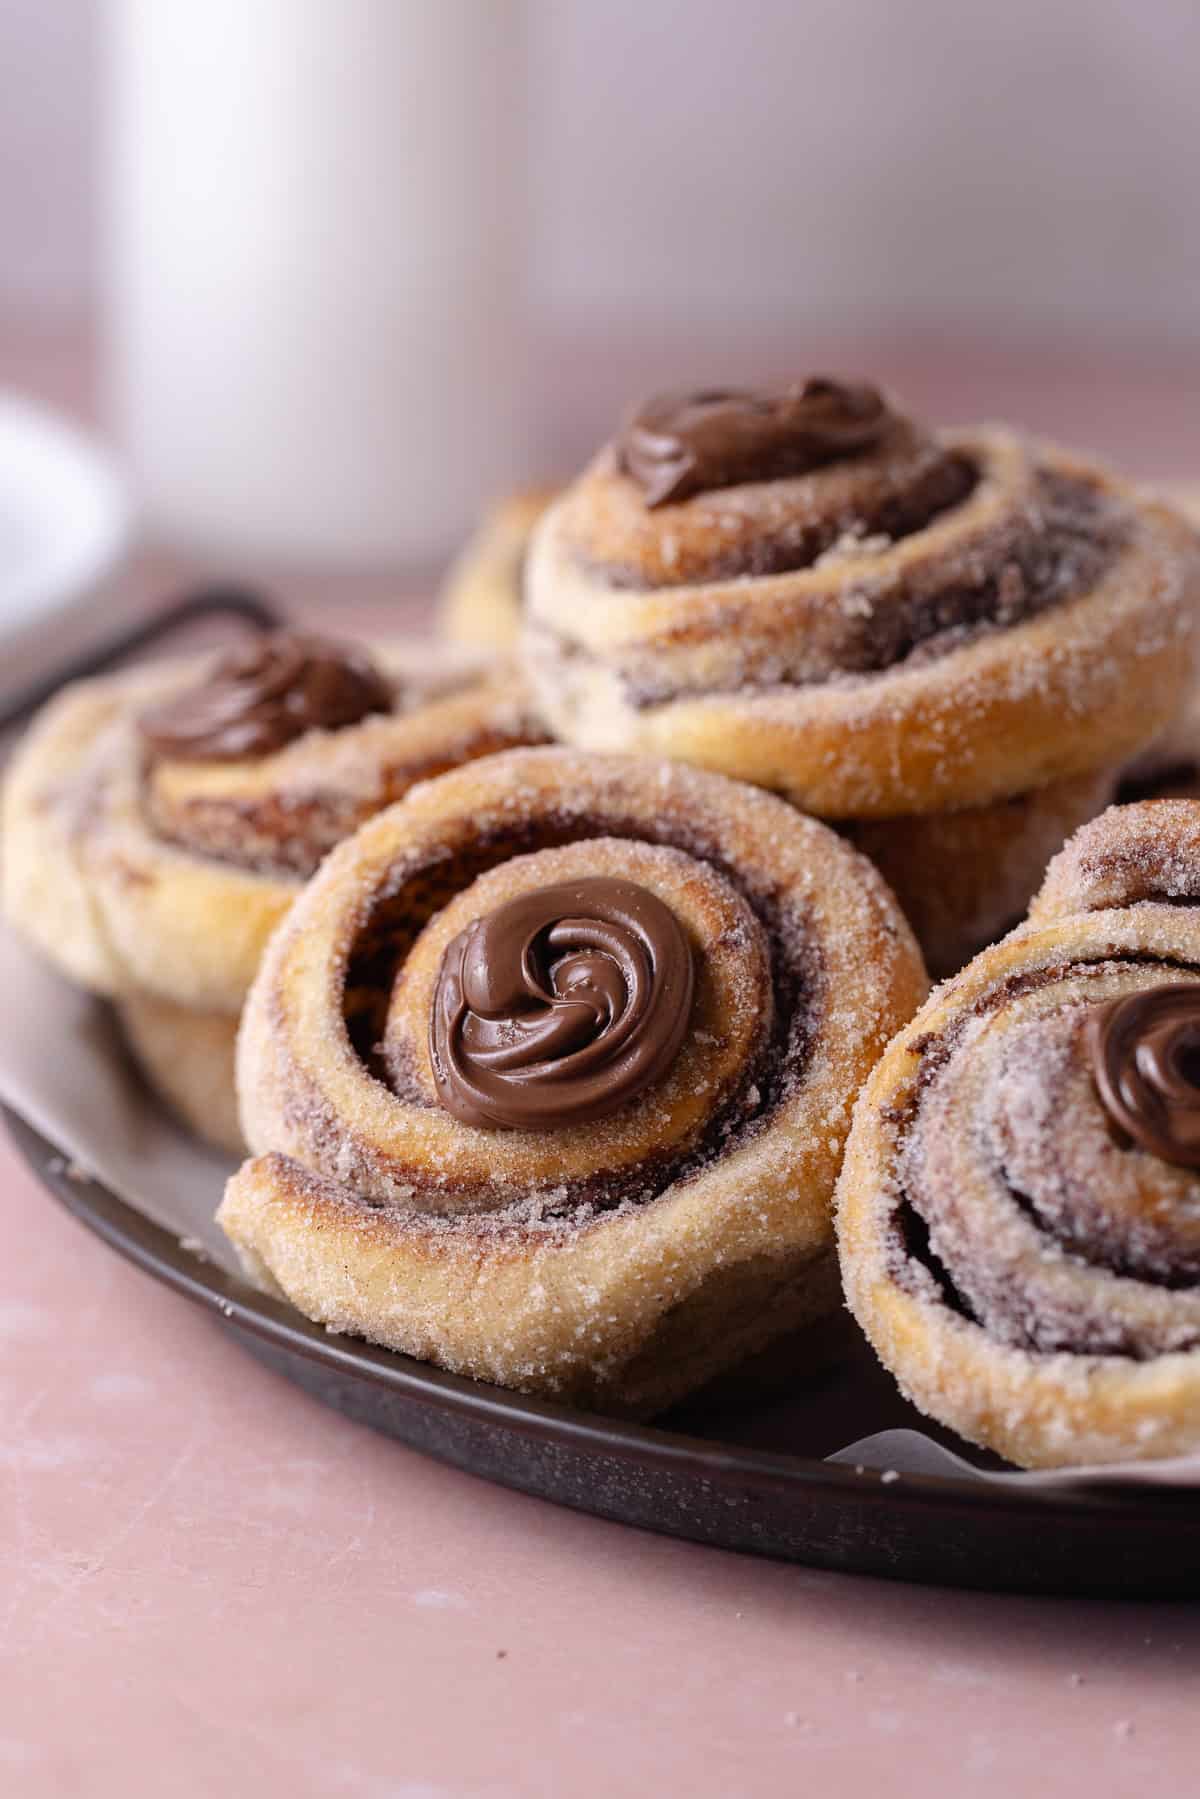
column 165, row 875
column 481, row 596
column 188, row 1059
column 1022, row 1250
column 934, row 622
column 963, row 878
column 617, row 1259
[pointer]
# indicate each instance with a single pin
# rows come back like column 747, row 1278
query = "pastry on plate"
column 481, row 599
column 1019, row 1210
column 159, row 822
column 806, row 588
column 547, row 1074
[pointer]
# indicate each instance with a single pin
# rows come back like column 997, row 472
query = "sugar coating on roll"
column 159, row 822
column 1019, row 1210
column 806, row 588
column 548, row 1073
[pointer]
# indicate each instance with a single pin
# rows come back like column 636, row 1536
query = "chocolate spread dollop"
column 680, row 444
column 264, row 694
column 561, row 1006
column 1146, row 1061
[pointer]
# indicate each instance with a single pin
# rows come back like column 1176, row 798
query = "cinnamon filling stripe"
column 803, row 540
column 933, row 612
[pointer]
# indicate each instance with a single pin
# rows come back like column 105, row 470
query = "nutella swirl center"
column 262, row 695
column 680, row 444
column 1145, row 1053
column 561, row 1006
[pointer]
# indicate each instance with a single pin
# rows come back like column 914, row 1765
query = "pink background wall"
column 1022, row 167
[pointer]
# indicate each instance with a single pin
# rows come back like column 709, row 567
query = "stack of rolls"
column 159, row 822
column 562, row 978
column 946, row 644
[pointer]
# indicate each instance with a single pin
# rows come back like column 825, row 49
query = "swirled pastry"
column 870, row 617
column 804, row 588
column 159, row 822
column 549, row 1069
column 1019, row 1211
column 481, row 598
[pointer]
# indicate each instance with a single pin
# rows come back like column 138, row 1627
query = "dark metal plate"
column 710, row 1478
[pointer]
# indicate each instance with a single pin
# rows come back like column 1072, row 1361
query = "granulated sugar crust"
column 1027, row 1274
column 618, row 1262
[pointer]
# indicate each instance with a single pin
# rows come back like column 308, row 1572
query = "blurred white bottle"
column 316, row 241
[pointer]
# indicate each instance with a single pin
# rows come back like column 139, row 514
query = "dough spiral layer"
column 618, row 1259
column 1019, row 1211
column 918, row 623
column 144, row 862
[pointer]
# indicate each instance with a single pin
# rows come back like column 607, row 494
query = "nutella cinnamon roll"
column 482, row 596
column 159, row 822
column 548, row 1073
column 805, row 588
column 1019, row 1211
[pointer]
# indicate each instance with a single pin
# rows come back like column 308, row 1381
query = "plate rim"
column 204, row 1282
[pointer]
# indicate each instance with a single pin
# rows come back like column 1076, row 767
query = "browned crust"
column 608, row 1315
column 749, row 675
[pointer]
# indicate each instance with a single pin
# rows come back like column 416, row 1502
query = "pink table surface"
column 211, row 1584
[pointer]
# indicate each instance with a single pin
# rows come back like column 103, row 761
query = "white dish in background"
column 65, row 523
column 64, row 514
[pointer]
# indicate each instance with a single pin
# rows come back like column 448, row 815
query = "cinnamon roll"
column 548, row 1072
column 804, row 588
column 159, row 822
column 1019, row 1211
column 481, row 598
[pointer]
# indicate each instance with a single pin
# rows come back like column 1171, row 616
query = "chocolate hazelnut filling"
column 680, row 444
column 797, row 978
column 263, row 695
column 561, row 1006
column 1146, row 1058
